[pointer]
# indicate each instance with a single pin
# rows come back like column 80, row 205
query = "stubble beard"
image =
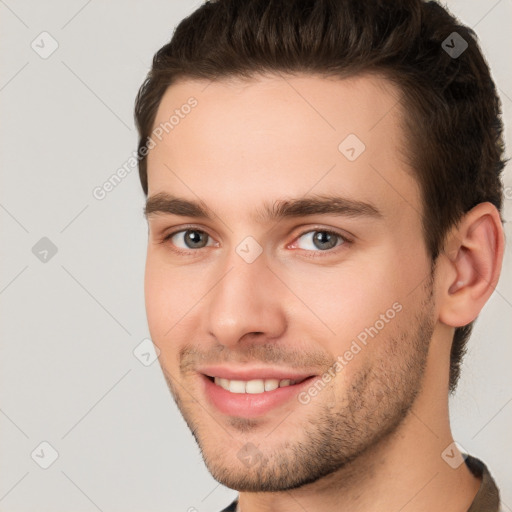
column 333, row 436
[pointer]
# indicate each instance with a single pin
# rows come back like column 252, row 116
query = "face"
column 301, row 256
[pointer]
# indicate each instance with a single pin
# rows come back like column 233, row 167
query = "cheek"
column 172, row 297
column 160, row 297
column 350, row 298
column 161, row 312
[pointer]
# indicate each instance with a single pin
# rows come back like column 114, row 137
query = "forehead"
column 281, row 134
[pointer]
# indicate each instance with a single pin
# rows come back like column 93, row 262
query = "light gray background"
column 69, row 326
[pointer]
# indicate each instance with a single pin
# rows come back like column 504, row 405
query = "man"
column 324, row 196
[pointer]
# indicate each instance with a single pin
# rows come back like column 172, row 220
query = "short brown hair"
column 452, row 112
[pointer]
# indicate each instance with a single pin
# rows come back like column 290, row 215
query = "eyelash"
column 309, row 254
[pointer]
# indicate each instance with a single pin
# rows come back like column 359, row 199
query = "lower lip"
column 250, row 405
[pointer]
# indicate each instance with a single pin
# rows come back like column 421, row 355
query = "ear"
column 470, row 265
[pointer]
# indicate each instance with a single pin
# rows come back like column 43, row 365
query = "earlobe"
column 472, row 269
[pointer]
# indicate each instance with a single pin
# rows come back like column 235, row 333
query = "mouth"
column 254, row 397
column 254, row 386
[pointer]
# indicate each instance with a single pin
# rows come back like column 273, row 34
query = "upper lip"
column 225, row 372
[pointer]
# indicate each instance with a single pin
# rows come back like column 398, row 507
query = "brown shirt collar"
column 487, row 498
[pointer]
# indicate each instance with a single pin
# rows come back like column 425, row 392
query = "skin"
column 372, row 439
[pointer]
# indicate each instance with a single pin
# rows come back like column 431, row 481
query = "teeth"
column 253, row 386
column 237, row 386
column 271, row 384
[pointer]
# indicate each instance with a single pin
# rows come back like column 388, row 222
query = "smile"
column 253, row 386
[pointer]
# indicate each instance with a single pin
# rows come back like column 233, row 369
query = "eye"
column 188, row 239
column 320, row 240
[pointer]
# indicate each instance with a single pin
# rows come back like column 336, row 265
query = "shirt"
column 487, row 498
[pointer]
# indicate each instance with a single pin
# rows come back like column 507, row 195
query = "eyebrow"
column 164, row 203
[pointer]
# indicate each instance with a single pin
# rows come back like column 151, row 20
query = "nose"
column 246, row 300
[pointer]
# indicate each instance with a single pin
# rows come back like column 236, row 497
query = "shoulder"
column 487, row 498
